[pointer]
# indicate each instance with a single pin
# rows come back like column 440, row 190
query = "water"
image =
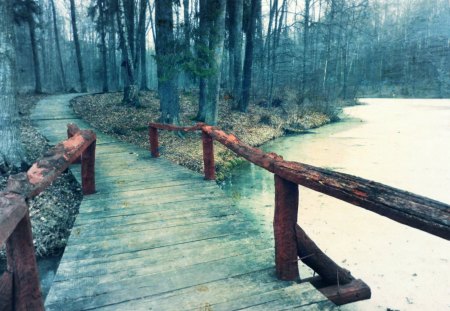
column 400, row 142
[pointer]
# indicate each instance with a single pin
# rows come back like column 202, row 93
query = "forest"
column 263, row 51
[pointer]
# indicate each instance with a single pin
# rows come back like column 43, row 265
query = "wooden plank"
column 295, row 296
column 6, row 291
column 153, row 239
column 147, row 285
column 354, row 291
column 172, row 256
column 22, row 261
column 12, row 210
column 157, row 266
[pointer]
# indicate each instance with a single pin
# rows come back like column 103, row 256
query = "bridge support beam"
column 285, row 220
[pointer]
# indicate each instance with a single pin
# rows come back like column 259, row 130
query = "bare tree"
column 236, row 8
column 77, row 46
column 58, row 46
column 11, row 152
column 248, row 61
column 166, row 58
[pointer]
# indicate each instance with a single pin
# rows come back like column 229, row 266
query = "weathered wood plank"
column 173, row 256
column 12, row 210
column 144, row 286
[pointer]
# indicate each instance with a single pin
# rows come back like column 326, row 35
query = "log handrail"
column 19, row 285
column 404, row 207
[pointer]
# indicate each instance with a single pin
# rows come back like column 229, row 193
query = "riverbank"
column 260, row 125
column 53, row 211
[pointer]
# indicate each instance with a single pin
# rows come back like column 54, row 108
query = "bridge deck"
column 156, row 236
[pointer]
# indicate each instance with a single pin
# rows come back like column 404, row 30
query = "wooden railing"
column 19, row 284
column 291, row 242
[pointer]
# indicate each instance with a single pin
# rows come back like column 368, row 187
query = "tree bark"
column 34, row 49
column 11, row 152
column 235, row 48
column 77, row 47
column 248, row 61
column 166, row 58
column 58, row 47
column 216, row 10
column 103, row 47
column 131, row 91
column 203, row 59
column 143, row 44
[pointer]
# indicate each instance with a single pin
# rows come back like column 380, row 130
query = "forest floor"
column 53, row 211
column 261, row 124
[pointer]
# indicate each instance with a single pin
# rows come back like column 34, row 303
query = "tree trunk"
column 11, row 152
column 141, row 45
column 103, row 46
column 216, row 10
column 248, row 62
column 305, row 43
column 235, row 48
column 77, row 47
column 203, row 59
column 131, row 90
column 34, row 48
column 58, row 47
column 165, row 57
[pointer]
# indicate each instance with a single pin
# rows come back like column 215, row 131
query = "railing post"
column 208, row 157
column 22, row 262
column 88, row 169
column 285, row 219
column 154, row 144
column 72, row 129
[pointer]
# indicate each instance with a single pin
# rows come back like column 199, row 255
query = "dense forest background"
column 302, row 51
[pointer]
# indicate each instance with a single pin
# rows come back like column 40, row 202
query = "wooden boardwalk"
column 156, row 236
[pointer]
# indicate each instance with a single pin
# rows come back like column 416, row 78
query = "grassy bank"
column 261, row 124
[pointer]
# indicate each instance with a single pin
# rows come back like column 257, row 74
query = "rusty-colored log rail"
column 19, row 285
column 407, row 208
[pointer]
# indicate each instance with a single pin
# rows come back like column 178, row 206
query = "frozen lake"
column 404, row 143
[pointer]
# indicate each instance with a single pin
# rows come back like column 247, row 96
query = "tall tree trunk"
column 103, row 47
column 268, row 49
column 203, row 59
column 112, row 53
column 187, row 43
column 216, row 10
column 165, row 57
column 34, row 48
column 58, row 47
column 305, row 43
column 77, row 47
column 235, row 48
column 131, row 90
column 248, row 62
column 143, row 41
column 11, row 152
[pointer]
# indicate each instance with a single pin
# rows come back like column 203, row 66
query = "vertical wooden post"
column 208, row 157
column 154, row 144
column 22, row 262
column 88, row 169
column 285, row 219
column 72, row 129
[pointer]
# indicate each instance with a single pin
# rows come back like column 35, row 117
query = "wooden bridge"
column 152, row 235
